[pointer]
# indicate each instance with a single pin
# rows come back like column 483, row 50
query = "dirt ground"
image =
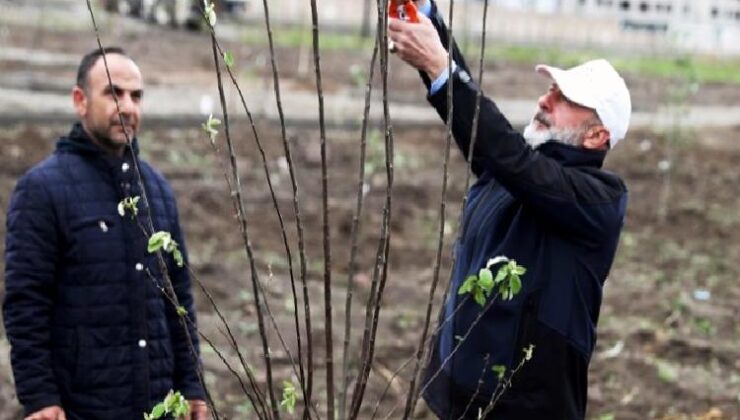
column 669, row 340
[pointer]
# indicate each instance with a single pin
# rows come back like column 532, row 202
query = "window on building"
column 664, row 7
column 644, row 6
column 714, row 12
column 624, row 5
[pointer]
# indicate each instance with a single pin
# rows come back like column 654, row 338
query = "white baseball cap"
column 597, row 85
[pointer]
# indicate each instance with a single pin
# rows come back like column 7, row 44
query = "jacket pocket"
column 88, row 237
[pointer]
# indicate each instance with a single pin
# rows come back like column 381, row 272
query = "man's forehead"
column 122, row 70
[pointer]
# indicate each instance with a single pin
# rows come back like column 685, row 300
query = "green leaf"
column 129, row 203
column 502, row 288
column 519, row 270
column 479, row 298
column 501, row 275
column 467, row 285
column 212, row 123
column 209, row 12
column 210, row 127
column 158, row 411
column 515, row 284
column 499, row 370
column 181, row 410
column 177, row 255
column 485, row 279
column 169, row 400
column 158, row 240
column 181, row 311
column 289, row 397
column 229, row 59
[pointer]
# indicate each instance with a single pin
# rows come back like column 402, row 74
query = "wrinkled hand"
column 198, row 410
column 418, row 45
column 54, row 412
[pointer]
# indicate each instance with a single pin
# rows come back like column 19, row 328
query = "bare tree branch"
column 328, row 333
column 355, row 235
column 380, row 272
column 241, row 214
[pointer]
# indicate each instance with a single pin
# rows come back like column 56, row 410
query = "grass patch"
column 296, row 37
column 700, row 68
column 688, row 67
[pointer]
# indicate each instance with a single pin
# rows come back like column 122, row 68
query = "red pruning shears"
column 404, row 10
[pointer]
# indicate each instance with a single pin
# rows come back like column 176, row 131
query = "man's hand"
column 54, row 412
column 419, row 45
column 198, row 410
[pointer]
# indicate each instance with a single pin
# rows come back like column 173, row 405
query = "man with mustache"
column 542, row 199
column 92, row 334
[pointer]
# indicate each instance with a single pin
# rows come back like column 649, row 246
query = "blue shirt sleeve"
column 426, row 8
column 441, row 80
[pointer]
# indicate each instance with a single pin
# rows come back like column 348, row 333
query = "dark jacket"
column 88, row 328
column 557, row 213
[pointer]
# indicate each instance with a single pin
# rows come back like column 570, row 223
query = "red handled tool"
column 404, row 10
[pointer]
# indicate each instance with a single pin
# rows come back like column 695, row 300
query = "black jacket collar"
column 571, row 155
column 77, row 141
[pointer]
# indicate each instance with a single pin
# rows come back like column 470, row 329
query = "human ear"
column 79, row 99
column 596, row 138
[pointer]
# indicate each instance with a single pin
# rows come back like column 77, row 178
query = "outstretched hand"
column 49, row 413
column 418, row 44
column 198, row 410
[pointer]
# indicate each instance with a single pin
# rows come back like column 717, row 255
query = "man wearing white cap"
column 542, row 199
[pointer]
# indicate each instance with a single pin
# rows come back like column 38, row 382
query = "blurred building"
column 642, row 26
column 692, row 25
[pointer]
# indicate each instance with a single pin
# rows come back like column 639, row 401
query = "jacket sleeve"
column 463, row 143
column 186, row 363
column 30, row 267
column 570, row 198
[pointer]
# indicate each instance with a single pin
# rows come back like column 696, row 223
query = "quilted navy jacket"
column 557, row 213
column 89, row 329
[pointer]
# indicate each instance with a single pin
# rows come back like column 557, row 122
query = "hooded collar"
column 571, row 155
column 77, row 141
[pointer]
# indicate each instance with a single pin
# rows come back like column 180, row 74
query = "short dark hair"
column 89, row 60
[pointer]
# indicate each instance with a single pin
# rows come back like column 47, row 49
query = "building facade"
column 710, row 26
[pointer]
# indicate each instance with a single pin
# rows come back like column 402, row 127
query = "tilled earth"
column 665, row 349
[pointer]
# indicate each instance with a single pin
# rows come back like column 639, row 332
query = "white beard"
column 535, row 136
